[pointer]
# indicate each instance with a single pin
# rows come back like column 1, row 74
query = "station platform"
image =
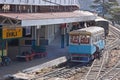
column 56, row 55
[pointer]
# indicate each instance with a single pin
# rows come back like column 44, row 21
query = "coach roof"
column 88, row 30
column 100, row 19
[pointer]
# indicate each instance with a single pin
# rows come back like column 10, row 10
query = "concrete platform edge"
column 46, row 65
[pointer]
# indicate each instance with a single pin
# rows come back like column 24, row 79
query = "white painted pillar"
column 34, row 35
column 38, row 35
column 31, row 8
column 46, row 32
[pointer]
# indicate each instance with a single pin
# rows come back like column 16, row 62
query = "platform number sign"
column 8, row 33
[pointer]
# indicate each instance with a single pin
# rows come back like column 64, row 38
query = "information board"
column 8, row 33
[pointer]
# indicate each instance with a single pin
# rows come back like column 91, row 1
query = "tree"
column 115, row 12
column 110, row 7
column 105, row 6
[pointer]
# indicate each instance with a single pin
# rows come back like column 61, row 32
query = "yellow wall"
column 4, row 53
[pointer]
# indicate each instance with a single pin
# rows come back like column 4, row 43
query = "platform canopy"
column 33, row 19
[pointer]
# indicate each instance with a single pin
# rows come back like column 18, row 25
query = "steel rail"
column 106, row 55
column 116, row 33
column 107, row 73
column 61, row 73
column 94, row 66
column 109, row 46
column 114, row 75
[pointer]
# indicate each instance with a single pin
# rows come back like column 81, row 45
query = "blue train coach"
column 86, row 44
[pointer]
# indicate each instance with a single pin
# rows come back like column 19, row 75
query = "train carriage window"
column 102, row 36
column 74, row 39
column 98, row 38
column 85, row 39
column 94, row 39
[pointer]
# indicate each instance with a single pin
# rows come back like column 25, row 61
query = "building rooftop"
column 49, row 18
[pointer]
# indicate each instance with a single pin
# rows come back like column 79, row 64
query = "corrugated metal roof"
column 39, row 16
column 33, row 19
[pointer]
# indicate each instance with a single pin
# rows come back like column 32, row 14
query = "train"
column 101, row 22
column 86, row 44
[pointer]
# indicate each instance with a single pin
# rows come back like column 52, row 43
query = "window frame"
column 86, row 40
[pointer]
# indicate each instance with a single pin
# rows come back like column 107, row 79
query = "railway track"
column 95, row 69
column 115, row 31
column 112, row 73
column 61, row 73
column 94, row 72
column 98, row 65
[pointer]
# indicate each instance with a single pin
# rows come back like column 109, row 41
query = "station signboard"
column 9, row 33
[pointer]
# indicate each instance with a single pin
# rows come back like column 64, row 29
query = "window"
column 103, row 36
column 95, row 38
column 74, row 39
column 85, row 39
column 98, row 38
column 28, row 30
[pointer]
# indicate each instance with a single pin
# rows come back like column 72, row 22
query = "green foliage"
column 115, row 12
column 107, row 5
column 93, row 6
column 96, row 1
column 110, row 7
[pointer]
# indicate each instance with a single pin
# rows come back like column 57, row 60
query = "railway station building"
column 27, row 23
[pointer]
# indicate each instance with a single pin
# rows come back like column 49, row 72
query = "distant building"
column 34, row 6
